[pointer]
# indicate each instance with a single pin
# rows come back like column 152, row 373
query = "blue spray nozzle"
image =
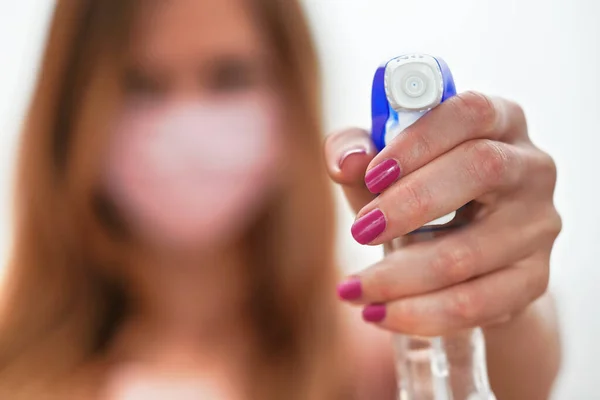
column 404, row 89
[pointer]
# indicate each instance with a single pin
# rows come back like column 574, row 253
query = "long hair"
column 62, row 303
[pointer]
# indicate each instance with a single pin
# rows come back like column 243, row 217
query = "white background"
column 543, row 53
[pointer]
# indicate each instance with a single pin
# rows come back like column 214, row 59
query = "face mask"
column 193, row 173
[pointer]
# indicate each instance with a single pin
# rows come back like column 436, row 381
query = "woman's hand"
column 470, row 148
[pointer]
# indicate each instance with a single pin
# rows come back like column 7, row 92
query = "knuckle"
column 416, row 198
column 539, row 281
column 466, row 306
column 490, row 163
column 455, row 264
column 557, row 224
column 518, row 113
column 404, row 316
column 421, row 146
column 547, row 224
column 548, row 163
column 478, row 109
column 546, row 167
column 381, row 286
column 553, row 224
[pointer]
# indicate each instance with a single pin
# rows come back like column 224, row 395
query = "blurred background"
column 543, row 53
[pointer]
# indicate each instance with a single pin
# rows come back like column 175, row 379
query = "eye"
column 138, row 84
column 233, row 74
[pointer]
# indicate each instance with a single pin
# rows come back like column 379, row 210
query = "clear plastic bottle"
column 406, row 88
column 442, row 368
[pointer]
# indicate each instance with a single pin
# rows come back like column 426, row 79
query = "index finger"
column 464, row 117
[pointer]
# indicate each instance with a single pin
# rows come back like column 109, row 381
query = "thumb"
column 347, row 155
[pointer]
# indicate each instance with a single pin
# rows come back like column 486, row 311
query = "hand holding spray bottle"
column 443, row 368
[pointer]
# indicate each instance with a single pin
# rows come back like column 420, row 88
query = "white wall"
column 22, row 29
column 545, row 54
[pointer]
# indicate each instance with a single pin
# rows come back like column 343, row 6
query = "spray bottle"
column 443, row 368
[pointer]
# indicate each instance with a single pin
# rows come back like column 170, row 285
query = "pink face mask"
column 193, row 173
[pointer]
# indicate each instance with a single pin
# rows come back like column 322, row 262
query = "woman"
column 174, row 227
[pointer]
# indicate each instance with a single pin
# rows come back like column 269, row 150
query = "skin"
column 494, row 273
column 186, row 336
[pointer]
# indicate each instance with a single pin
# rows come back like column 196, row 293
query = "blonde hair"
column 62, row 303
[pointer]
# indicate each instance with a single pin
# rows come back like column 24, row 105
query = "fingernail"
column 350, row 290
column 382, row 176
column 349, row 153
column 374, row 313
column 369, row 227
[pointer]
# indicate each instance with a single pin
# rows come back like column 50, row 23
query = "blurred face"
column 194, row 151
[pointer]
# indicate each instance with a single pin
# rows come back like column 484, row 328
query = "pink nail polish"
column 350, row 290
column 350, row 153
column 382, row 176
column 369, row 227
column 374, row 313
